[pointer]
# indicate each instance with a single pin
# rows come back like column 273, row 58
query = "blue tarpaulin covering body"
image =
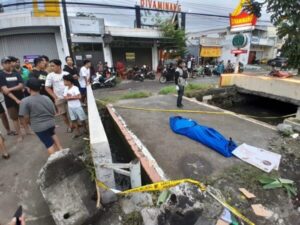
column 205, row 135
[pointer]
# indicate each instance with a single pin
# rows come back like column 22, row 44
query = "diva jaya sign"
column 169, row 6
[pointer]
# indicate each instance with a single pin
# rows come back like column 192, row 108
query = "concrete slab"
column 178, row 156
column 19, row 174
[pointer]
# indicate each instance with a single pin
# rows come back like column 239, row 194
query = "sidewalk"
column 19, row 173
column 179, row 156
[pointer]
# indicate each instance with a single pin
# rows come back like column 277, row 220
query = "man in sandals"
column 39, row 111
column 55, row 88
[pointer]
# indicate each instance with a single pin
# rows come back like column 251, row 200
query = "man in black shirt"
column 11, row 84
column 39, row 73
column 180, row 81
column 71, row 69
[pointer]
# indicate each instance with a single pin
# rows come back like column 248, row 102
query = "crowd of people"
column 34, row 96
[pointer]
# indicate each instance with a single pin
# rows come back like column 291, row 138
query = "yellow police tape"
column 159, row 186
column 194, row 111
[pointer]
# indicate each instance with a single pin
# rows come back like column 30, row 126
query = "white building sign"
column 79, row 25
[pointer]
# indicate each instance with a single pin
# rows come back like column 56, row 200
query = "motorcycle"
column 167, row 75
column 135, row 74
column 207, row 71
column 99, row 81
column 147, row 73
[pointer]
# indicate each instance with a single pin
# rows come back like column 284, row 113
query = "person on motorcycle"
column 229, row 67
column 180, row 81
column 219, row 68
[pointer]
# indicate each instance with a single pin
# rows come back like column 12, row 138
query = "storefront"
column 132, row 51
column 209, row 54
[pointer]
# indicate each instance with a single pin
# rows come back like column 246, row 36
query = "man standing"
column 180, row 81
column 11, row 84
column 72, row 70
column 39, row 111
column 84, row 78
column 55, row 88
column 39, row 73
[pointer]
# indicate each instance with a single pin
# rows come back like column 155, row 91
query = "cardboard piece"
column 260, row 210
column 221, row 222
column 260, row 158
column 247, row 193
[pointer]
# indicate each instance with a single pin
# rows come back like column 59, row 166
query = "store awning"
column 212, row 52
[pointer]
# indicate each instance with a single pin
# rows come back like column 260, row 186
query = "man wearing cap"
column 11, row 84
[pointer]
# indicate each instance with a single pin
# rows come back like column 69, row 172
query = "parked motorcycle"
column 148, row 74
column 135, row 74
column 167, row 75
column 99, row 81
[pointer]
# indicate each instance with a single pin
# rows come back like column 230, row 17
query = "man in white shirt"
column 55, row 87
column 84, row 78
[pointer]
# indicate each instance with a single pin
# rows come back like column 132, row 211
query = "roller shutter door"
column 28, row 44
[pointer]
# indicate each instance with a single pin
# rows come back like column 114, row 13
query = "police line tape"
column 159, row 186
column 193, row 111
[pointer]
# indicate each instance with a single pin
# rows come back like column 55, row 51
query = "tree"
column 175, row 35
column 285, row 15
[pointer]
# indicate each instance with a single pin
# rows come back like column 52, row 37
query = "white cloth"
column 84, row 73
column 55, row 81
column 73, row 91
column 262, row 159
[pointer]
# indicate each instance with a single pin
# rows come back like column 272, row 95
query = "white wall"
column 227, row 47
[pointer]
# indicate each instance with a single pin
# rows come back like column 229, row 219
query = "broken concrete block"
column 150, row 215
column 68, row 189
column 136, row 202
column 285, row 129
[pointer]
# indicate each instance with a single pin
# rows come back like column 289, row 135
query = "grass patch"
column 189, row 89
column 168, row 90
column 129, row 95
column 133, row 95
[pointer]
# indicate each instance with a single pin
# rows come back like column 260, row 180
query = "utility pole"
column 67, row 26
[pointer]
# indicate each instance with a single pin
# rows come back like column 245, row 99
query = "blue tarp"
column 205, row 135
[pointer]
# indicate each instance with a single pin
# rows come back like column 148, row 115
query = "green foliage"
column 176, row 35
column 168, row 90
column 285, row 15
column 273, row 183
column 139, row 94
column 189, row 89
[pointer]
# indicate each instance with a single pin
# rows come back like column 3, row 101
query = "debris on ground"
column 260, row 210
column 295, row 135
column 285, row 129
column 273, row 183
column 247, row 193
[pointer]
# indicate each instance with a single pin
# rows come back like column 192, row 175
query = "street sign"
column 240, row 40
column 239, row 51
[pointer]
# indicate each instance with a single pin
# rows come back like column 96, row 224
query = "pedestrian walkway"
column 19, row 174
column 178, row 156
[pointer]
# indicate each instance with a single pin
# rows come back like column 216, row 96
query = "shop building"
column 262, row 44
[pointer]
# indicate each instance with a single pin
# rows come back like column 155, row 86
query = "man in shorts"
column 76, row 112
column 84, row 78
column 39, row 111
column 11, row 84
column 55, row 87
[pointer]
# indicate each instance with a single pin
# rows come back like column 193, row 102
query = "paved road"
column 148, row 85
column 18, row 177
column 178, row 156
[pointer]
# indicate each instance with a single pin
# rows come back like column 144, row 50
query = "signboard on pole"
column 83, row 25
column 241, row 20
column 160, row 5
